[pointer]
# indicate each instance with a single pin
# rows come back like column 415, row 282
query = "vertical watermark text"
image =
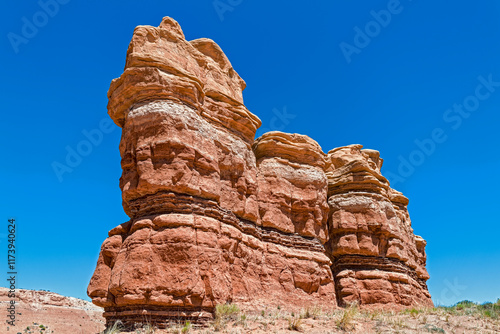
column 11, row 272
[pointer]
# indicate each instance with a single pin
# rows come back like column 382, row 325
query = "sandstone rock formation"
column 376, row 257
column 217, row 217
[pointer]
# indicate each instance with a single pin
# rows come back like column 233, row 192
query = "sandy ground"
column 42, row 312
column 352, row 320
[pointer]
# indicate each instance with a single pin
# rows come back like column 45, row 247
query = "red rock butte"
column 218, row 217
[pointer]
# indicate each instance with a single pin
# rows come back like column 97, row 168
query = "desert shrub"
column 225, row 313
column 464, row 304
column 490, row 310
column 467, row 307
column 187, row 327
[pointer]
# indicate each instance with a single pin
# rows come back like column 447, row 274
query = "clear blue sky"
column 399, row 86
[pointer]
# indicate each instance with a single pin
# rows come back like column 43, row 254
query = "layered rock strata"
column 190, row 186
column 376, row 257
column 292, row 184
column 217, row 217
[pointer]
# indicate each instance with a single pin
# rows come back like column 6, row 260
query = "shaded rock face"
column 217, row 217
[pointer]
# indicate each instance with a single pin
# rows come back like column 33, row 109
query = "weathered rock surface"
column 376, row 257
column 57, row 313
column 292, row 184
column 217, row 217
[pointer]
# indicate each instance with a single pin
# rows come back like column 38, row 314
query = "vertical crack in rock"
column 216, row 216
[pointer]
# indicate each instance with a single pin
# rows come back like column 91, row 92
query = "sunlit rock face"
column 376, row 257
column 217, row 217
column 190, row 185
column 292, row 184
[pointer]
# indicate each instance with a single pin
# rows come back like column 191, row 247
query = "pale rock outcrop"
column 48, row 312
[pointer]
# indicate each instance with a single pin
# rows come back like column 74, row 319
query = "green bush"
column 464, row 304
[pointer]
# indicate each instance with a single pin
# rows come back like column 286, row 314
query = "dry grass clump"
column 225, row 313
column 295, row 324
column 310, row 312
column 180, row 328
column 147, row 328
column 118, row 327
column 413, row 312
column 115, row 329
column 347, row 320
